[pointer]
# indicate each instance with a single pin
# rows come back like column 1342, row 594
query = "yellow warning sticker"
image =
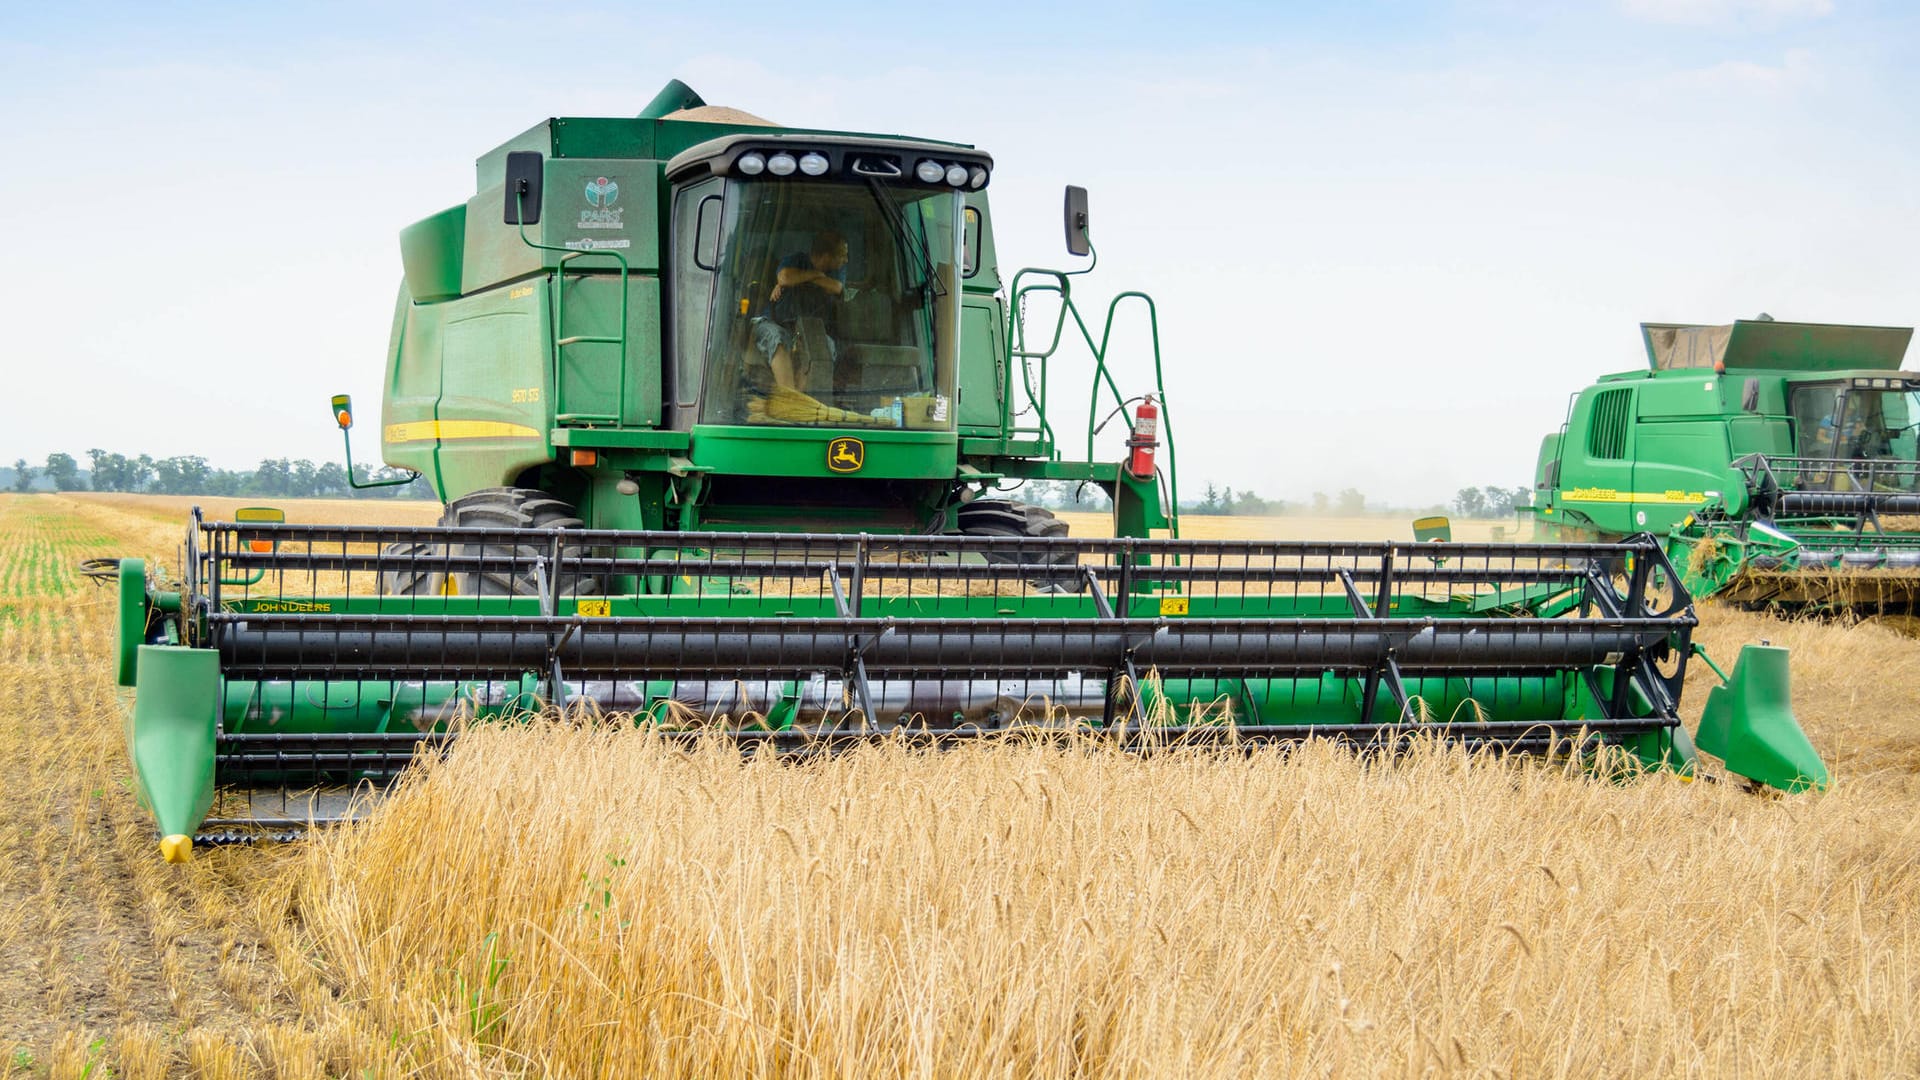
column 1173, row 605
column 597, row 609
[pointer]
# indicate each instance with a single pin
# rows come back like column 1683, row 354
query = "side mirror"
column 343, row 415
column 524, row 171
column 1076, row 220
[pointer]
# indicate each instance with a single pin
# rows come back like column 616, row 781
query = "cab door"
column 694, row 248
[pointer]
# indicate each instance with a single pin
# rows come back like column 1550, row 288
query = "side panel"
column 413, row 382
column 1596, row 461
column 1680, row 467
column 431, row 251
column 593, row 209
column 602, row 205
column 982, row 350
column 1680, row 449
column 491, row 419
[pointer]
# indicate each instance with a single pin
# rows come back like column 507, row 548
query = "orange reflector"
column 260, row 547
column 345, row 418
column 585, row 457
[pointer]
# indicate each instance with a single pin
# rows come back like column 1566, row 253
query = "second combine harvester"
column 1779, row 460
column 722, row 413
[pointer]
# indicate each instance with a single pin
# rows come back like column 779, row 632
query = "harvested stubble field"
column 568, row 901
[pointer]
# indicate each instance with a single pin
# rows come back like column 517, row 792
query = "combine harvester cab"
column 723, row 416
column 1780, row 460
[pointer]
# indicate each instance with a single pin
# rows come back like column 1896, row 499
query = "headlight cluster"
column 956, row 175
column 815, row 163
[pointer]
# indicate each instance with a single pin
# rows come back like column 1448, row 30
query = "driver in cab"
column 806, row 286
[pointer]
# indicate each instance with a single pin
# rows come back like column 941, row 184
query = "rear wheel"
column 492, row 508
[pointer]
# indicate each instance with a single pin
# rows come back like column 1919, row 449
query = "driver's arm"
column 790, row 276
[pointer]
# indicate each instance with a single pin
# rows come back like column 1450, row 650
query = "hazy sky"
column 1388, row 240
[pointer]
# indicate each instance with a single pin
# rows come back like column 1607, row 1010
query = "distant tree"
column 185, row 475
column 118, row 472
column 22, row 476
column 1499, row 500
column 1351, row 501
column 1319, row 502
column 273, row 477
column 1210, row 502
column 64, row 473
column 1249, row 503
column 1470, row 502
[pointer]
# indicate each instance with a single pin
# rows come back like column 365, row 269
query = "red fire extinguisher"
column 1146, row 436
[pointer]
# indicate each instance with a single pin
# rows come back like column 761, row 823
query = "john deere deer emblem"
column 846, row 454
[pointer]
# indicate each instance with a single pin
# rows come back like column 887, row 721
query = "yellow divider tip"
column 176, row 848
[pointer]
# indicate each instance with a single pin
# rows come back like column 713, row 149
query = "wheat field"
column 583, row 901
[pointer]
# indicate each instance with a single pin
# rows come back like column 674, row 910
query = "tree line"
column 1491, row 501
column 191, row 474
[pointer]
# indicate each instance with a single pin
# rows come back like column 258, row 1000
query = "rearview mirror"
column 524, row 169
column 343, row 411
column 1076, row 221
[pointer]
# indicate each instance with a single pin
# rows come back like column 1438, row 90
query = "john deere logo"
column 601, row 192
column 846, row 454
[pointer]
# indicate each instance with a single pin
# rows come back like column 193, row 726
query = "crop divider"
column 857, row 646
column 1136, row 712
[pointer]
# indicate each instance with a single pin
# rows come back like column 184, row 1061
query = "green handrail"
column 560, row 321
column 1017, row 350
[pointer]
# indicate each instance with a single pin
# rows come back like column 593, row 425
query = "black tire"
column 996, row 517
column 415, row 574
column 496, row 508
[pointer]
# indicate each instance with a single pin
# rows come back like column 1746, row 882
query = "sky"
column 1386, row 240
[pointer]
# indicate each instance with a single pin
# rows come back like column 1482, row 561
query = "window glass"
column 1877, row 425
column 970, row 249
column 1815, row 410
column 696, row 212
column 837, row 305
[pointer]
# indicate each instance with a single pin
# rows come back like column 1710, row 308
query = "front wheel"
column 493, row 508
column 995, row 517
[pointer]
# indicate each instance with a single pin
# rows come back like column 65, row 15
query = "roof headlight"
column 956, row 175
column 782, row 164
column 977, row 179
column 930, row 171
column 751, row 164
column 813, row 164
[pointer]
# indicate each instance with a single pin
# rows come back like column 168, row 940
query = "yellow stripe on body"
column 1609, row 495
column 427, row 430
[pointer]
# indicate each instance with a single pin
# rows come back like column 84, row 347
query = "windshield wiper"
column 904, row 239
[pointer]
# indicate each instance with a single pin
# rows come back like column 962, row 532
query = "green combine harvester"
column 725, row 417
column 1778, row 459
